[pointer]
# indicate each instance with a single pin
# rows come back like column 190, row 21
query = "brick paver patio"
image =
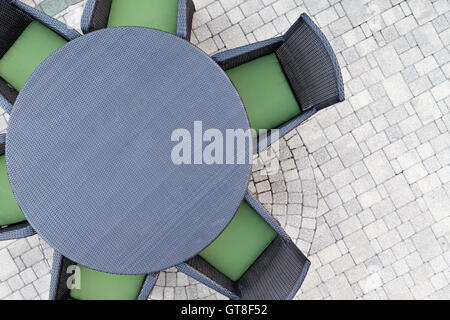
column 364, row 186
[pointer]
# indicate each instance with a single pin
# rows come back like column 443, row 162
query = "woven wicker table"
column 89, row 150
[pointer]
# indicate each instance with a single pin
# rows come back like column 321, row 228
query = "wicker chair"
column 96, row 14
column 277, row 274
column 15, row 16
column 60, row 276
column 308, row 62
column 18, row 230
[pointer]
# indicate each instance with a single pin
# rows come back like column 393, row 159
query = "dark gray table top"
column 89, row 150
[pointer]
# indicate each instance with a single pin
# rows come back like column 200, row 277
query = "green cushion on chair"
column 35, row 44
column 157, row 14
column 265, row 91
column 240, row 244
column 10, row 212
column 96, row 285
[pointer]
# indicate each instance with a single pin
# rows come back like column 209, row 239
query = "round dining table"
column 90, row 150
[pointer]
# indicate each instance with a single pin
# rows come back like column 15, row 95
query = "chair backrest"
column 95, row 15
column 16, row 231
column 12, row 23
column 277, row 274
column 60, row 275
column 311, row 66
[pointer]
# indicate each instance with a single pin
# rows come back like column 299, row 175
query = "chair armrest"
column 16, row 231
column 200, row 270
column 148, row 285
column 277, row 274
column 259, row 208
column 186, row 9
column 87, row 15
column 12, row 23
column 95, row 15
column 235, row 57
column 59, row 277
column 284, row 129
column 8, row 95
column 279, row 271
column 50, row 22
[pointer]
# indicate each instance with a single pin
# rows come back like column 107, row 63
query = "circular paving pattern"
column 284, row 183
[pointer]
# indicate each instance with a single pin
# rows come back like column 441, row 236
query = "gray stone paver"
column 364, row 186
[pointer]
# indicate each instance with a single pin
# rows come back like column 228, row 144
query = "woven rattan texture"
column 8, row 92
column 92, row 170
column 310, row 65
column 95, row 15
column 16, row 231
column 276, row 275
column 186, row 9
column 12, row 23
column 2, row 143
column 235, row 57
column 50, row 22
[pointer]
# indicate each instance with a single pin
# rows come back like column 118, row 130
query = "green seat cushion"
column 240, row 244
column 10, row 212
column 35, row 44
column 96, row 285
column 265, row 92
column 157, row 14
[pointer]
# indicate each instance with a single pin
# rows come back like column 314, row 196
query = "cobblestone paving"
column 380, row 160
column 284, row 183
